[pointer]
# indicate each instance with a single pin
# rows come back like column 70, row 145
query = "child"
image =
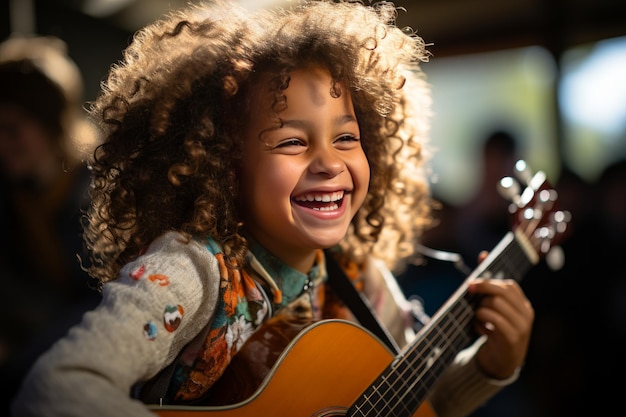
column 238, row 146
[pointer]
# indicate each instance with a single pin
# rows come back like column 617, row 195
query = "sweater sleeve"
column 463, row 388
column 157, row 305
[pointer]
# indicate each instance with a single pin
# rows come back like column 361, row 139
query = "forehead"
column 312, row 84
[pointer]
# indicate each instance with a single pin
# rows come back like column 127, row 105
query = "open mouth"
column 320, row 201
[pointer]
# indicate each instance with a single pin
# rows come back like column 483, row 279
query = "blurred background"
column 540, row 80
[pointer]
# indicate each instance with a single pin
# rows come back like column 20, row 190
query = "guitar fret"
column 440, row 340
column 513, row 263
column 406, row 385
column 365, row 407
column 374, row 400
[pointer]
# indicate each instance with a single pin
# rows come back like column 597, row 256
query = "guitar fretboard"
column 405, row 383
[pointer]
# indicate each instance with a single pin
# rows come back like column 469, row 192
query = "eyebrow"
column 301, row 124
column 337, row 121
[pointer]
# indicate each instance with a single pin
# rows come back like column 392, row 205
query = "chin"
column 327, row 242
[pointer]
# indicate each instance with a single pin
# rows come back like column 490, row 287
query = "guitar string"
column 383, row 395
column 459, row 336
column 417, row 373
column 442, row 337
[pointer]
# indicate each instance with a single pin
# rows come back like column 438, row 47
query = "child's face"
column 302, row 183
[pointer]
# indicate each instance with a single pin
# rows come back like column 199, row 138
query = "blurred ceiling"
column 97, row 30
column 453, row 26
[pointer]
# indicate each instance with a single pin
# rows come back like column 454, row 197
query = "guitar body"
column 320, row 374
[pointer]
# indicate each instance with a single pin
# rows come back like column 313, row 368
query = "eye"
column 290, row 146
column 347, row 141
column 289, row 143
column 347, row 138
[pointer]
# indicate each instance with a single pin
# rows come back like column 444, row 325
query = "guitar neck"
column 406, row 382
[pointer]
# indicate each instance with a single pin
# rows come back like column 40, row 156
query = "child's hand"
column 506, row 316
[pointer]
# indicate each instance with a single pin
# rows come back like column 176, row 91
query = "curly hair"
column 172, row 111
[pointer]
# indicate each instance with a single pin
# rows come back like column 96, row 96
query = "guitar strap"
column 357, row 302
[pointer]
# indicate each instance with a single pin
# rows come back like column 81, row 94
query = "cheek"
column 361, row 177
column 280, row 179
column 269, row 183
column 362, row 174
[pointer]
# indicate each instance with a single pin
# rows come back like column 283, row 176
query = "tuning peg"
column 509, row 189
column 522, row 172
column 560, row 219
column 544, row 236
column 546, row 199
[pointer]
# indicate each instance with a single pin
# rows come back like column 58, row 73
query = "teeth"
column 325, row 198
column 330, row 208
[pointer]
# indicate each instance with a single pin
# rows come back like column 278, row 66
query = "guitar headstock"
column 535, row 211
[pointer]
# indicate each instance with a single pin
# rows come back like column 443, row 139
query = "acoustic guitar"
column 338, row 368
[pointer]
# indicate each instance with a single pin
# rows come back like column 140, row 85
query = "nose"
column 326, row 160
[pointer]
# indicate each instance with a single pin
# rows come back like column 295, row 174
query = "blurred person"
column 43, row 182
column 485, row 219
